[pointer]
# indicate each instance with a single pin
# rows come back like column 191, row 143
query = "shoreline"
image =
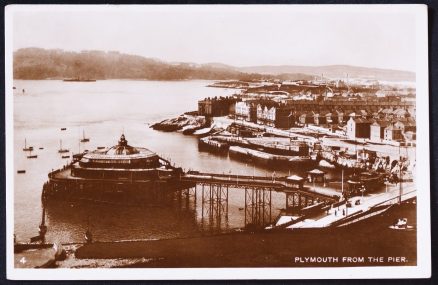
column 270, row 248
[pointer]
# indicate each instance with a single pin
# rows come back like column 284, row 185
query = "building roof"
column 392, row 128
column 316, row 171
column 295, row 178
column 361, row 121
column 121, row 151
column 381, row 123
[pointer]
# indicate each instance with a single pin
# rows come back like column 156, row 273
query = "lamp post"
column 362, row 190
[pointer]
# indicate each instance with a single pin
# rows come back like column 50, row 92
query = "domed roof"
column 122, row 148
column 119, row 152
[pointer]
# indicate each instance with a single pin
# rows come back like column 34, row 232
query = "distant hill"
column 334, row 71
column 37, row 63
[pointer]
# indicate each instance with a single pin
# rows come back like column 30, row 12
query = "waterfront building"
column 266, row 113
column 246, row 110
column 277, row 111
column 119, row 161
column 406, row 125
column 121, row 172
column 358, row 128
column 286, row 118
column 242, row 110
column 393, row 133
column 217, row 107
column 377, row 131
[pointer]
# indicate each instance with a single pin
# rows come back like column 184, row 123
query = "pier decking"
column 279, row 184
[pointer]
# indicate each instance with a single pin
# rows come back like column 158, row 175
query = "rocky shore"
column 187, row 121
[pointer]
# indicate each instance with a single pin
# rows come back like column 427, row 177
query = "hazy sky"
column 236, row 35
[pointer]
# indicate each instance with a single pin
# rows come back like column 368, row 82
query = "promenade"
column 366, row 203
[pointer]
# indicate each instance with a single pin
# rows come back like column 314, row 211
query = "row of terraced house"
column 377, row 119
column 396, row 129
column 288, row 114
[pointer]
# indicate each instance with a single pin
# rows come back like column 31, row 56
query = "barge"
column 121, row 174
column 210, row 144
column 268, row 159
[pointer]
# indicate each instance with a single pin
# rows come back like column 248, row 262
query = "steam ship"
column 78, row 79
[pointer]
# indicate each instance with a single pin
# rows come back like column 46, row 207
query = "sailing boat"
column 26, row 148
column 62, row 150
column 84, row 139
column 32, row 155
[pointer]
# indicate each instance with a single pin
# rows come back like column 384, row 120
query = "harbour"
column 228, row 195
column 105, row 132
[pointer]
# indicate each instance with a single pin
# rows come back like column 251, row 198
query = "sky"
column 238, row 35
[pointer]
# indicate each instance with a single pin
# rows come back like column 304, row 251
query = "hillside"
column 36, row 63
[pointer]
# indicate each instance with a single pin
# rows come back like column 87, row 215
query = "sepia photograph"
column 230, row 141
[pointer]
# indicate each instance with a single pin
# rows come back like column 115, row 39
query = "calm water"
column 105, row 109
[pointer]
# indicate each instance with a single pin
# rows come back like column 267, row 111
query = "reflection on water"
column 67, row 222
column 196, row 211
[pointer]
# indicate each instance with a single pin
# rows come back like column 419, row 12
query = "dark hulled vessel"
column 119, row 174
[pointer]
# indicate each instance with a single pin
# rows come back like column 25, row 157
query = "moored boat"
column 27, row 148
column 62, row 150
column 84, row 139
column 32, row 155
column 78, row 79
column 208, row 143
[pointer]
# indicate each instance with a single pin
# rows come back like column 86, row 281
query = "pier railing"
column 279, row 184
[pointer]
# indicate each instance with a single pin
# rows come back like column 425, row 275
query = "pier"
column 258, row 196
column 128, row 175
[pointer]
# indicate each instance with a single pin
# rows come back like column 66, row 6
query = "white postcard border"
column 423, row 268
